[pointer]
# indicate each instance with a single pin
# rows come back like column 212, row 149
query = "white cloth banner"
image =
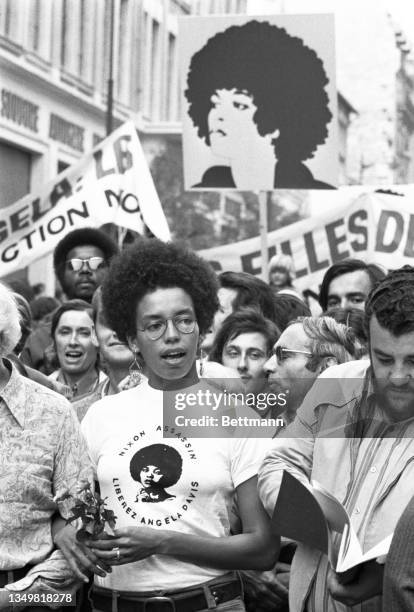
column 111, row 184
column 375, row 227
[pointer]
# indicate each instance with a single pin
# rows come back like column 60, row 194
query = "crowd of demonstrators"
column 157, row 320
column 306, row 348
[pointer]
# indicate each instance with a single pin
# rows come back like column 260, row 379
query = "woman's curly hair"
column 285, row 77
column 165, row 457
column 150, row 264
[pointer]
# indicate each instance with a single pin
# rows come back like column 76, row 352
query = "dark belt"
column 9, row 576
column 209, row 596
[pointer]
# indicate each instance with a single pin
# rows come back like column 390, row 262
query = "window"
column 155, row 69
column 124, row 52
column 61, row 166
column 64, row 32
column 77, row 38
column 152, row 68
column 86, row 40
column 82, row 32
column 107, row 46
column 8, row 19
column 172, row 79
column 33, row 41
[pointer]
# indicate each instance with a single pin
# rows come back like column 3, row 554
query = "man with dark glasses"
column 304, row 350
column 80, row 261
column 92, row 263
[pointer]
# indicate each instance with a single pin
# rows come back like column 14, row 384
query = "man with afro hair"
column 80, row 261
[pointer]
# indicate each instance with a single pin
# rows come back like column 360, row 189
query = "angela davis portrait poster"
column 259, row 102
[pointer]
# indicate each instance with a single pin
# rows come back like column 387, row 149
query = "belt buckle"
column 159, row 599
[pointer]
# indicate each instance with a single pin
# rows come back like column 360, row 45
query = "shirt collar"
column 14, row 394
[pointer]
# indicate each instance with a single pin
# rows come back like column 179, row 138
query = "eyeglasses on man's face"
column 93, row 263
column 183, row 323
column 281, row 353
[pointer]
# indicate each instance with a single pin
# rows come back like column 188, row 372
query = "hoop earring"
column 203, row 356
column 135, row 370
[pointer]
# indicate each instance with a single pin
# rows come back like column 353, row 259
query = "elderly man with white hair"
column 42, row 454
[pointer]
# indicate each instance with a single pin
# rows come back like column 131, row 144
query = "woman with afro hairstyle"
column 156, row 467
column 257, row 97
column 160, row 298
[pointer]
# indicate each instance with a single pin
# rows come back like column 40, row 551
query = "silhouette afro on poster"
column 260, row 102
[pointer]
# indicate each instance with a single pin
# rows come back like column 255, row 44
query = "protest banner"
column 111, row 184
column 375, row 227
column 259, row 102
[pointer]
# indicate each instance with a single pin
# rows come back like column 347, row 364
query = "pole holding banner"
column 263, row 233
column 110, row 100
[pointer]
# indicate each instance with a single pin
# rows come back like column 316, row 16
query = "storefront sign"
column 20, row 111
column 67, row 133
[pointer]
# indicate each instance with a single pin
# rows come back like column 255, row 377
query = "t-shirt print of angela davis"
column 155, row 468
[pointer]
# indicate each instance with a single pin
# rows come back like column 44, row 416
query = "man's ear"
column 94, row 337
column 327, row 362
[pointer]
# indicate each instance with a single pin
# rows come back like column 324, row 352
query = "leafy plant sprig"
column 91, row 509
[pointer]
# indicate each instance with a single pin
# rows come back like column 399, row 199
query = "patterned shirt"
column 42, row 454
column 342, row 439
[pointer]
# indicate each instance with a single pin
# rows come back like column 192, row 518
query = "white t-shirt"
column 125, row 438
